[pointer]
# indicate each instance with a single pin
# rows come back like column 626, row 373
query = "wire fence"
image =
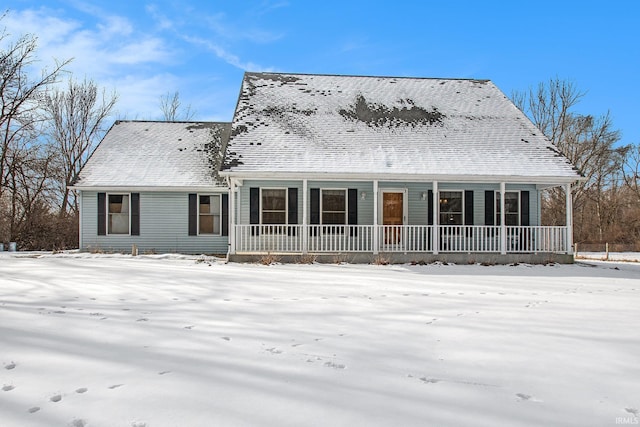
column 607, row 247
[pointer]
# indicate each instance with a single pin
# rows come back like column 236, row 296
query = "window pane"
column 511, row 203
column 206, row 224
column 205, row 205
column 209, row 215
column 118, row 221
column 118, row 203
column 451, row 208
column 215, row 205
column 334, row 200
column 274, row 218
column 216, row 224
column 334, row 206
column 512, row 219
column 333, row 218
column 511, row 206
column 274, row 200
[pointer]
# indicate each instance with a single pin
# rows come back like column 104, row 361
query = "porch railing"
column 399, row 238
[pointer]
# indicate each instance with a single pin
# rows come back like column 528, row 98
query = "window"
column 274, row 206
column 334, row 207
column 451, row 209
column 209, row 214
column 118, row 211
column 511, row 208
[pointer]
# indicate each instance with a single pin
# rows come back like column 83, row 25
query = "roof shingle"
column 298, row 123
column 157, row 154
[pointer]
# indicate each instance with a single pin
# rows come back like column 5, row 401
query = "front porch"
column 407, row 221
column 400, row 239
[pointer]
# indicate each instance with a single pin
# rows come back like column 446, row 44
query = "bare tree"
column 75, row 117
column 631, row 169
column 170, row 106
column 20, row 125
column 589, row 142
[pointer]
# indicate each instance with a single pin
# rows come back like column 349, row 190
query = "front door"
column 392, row 215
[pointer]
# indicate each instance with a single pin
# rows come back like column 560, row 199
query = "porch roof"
column 287, row 124
column 138, row 154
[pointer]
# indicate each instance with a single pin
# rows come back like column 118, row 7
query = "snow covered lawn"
column 99, row 340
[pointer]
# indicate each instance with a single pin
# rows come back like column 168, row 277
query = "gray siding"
column 163, row 227
column 417, row 208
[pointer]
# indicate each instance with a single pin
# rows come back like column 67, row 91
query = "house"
column 409, row 169
column 155, row 185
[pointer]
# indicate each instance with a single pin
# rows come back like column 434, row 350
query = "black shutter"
column 193, row 214
column 225, row 215
column 314, row 214
column 254, row 205
column 489, row 201
column 102, row 214
column 524, row 208
column 292, row 214
column 314, row 209
column 468, row 207
column 352, row 210
column 430, row 207
column 135, row 214
column 254, row 209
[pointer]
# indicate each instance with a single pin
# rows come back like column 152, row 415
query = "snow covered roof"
column 139, row 154
column 351, row 125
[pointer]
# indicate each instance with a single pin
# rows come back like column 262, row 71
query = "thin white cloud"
column 111, row 52
column 141, row 95
column 228, row 57
column 139, row 63
column 220, row 24
column 95, row 51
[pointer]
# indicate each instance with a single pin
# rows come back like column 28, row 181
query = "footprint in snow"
column 335, row 365
column 226, row 338
column 33, row 410
column 10, row 366
column 115, row 386
column 633, row 411
column 57, row 398
column 429, row 380
column 164, row 372
column 523, row 396
column 78, row 422
column 142, row 319
column 7, row 388
column 82, row 390
column 189, row 327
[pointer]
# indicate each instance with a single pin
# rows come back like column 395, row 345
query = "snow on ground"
column 112, row 340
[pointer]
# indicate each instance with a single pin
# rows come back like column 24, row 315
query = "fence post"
column 575, row 245
column 606, row 249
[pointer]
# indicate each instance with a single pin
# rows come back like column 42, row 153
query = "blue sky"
column 201, row 48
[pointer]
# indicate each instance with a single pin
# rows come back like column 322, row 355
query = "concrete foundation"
column 408, row 258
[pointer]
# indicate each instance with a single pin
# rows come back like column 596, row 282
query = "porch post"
column 232, row 216
column 435, row 240
column 503, row 224
column 375, row 236
column 305, row 233
column 569, row 212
